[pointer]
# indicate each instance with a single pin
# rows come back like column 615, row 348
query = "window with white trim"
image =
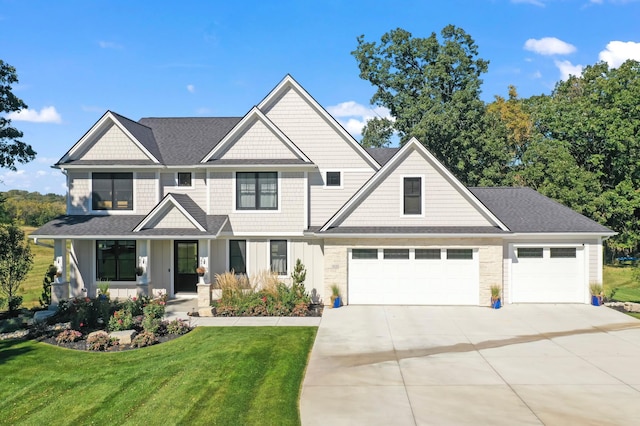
column 278, row 258
column 333, row 179
column 562, row 252
column 395, row 253
column 530, row 252
column 116, row 260
column 112, row 191
column 412, row 195
column 256, row 190
column 238, row 256
column 364, row 253
column 431, row 254
column 185, row 179
column 460, row 254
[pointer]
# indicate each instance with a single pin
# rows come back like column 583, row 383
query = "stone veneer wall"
column 489, row 252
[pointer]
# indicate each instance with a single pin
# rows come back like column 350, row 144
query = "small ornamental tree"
column 15, row 261
column 49, row 277
column 298, row 276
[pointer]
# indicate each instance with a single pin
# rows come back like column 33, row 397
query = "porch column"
column 60, row 286
column 143, row 285
column 203, row 259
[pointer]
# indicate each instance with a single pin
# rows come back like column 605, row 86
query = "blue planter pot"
column 337, row 302
column 495, row 304
column 596, row 301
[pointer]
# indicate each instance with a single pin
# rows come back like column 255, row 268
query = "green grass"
column 619, row 277
column 217, row 375
column 31, row 288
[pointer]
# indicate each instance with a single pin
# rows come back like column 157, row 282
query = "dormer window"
column 112, row 191
column 412, row 196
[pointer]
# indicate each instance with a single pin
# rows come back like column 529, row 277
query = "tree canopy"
column 12, row 150
column 432, row 88
column 579, row 145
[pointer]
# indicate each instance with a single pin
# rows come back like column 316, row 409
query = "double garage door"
column 413, row 276
column 548, row 274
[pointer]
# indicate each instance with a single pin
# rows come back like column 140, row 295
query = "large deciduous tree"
column 587, row 149
column 12, row 150
column 432, row 88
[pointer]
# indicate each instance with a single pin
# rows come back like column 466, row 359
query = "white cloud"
column 536, row 74
column 549, row 46
column 46, row 115
column 46, row 160
column 353, row 116
column 567, row 68
column 109, row 45
column 90, row 108
column 191, row 88
column 617, row 52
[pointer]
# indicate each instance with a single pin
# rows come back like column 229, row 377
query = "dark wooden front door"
column 185, row 264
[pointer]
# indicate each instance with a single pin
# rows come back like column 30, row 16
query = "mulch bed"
column 81, row 345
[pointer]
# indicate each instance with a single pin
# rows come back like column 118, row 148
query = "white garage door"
column 413, row 276
column 548, row 275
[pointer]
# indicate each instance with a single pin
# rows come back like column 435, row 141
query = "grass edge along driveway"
column 213, row 375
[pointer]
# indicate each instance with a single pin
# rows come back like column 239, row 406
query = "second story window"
column 412, row 195
column 333, row 179
column 184, row 179
column 257, row 191
column 112, row 191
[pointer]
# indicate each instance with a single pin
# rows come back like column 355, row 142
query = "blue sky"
column 77, row 59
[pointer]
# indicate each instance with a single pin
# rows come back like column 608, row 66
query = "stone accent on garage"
column 336, row 259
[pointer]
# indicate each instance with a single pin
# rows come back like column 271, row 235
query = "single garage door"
column 420, row 276
column 548, row 275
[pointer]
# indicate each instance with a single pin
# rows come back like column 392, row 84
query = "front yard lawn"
column 217, row 375
column 620, row 278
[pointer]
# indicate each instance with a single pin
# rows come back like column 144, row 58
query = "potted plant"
column 200, row 270
column 496, row 291
column 139, row 271
column 336, row 300
column 596, row 294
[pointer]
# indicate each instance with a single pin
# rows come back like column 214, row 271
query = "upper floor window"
column 256, row 190
column 333, row 179
column 412, row 195
column 184, row 178
column 112, row 191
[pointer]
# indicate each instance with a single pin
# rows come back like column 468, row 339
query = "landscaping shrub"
column 178, row 326
column 100, row 341
column 155, row 309
column 262, row 295
column 152, row 325
column 68, row 336
column 121, row 320
column 3, row 302
column 136, row 305
column 143, row 339
column 84, row 312
column 14, row 303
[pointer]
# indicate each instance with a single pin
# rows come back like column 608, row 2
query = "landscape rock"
column 124, row 337
column 206, row 312
column 41, row 316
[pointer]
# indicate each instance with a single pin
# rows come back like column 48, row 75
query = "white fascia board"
column 157, row 209
column 289, row 167
column 262, row 234
column 558, row 235
column 226, row 220
column 242, row 124
column 96, row 127
column 125, row 237
column 290, row 81
column 113, row 166
column 412, row 236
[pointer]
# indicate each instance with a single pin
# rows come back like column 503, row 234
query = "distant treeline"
column 30, row 208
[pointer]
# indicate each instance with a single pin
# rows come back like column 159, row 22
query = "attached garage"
column 548, row 274
column 413, row 276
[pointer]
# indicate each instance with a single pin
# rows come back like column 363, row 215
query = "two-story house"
column 287, row 182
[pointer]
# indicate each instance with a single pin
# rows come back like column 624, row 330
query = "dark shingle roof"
column 142, row 133
column 382, row 155
column 185, row 141
column 117, row 226
column 525, row 210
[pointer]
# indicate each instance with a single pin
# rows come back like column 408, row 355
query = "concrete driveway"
column 523, row 364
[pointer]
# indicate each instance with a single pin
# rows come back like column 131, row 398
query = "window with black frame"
column 238, row 256
column 256, row 190
column 112, row 191
column 279, row 256
column 412, row 195
column 116, row 260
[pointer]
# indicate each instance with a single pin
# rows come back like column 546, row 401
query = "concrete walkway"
column 523, row 364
